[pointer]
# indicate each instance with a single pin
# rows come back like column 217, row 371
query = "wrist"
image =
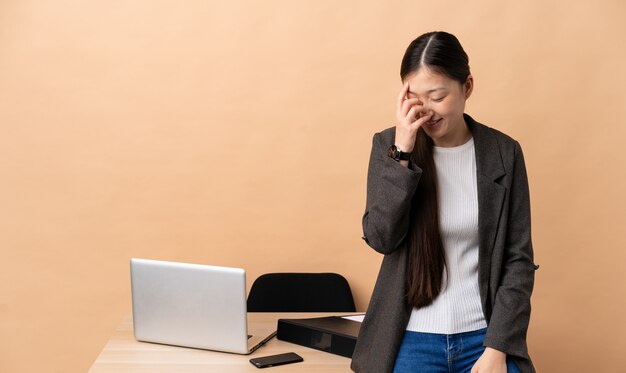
column 405, row 148
column 397, row 153
column 496, row 354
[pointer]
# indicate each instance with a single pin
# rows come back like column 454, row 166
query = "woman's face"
column 445, row 97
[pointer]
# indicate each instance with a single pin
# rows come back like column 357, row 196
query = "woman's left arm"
column 510, row 315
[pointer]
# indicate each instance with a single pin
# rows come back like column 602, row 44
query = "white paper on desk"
column 358, row 318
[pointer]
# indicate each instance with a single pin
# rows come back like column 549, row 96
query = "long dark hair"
column 442, row 53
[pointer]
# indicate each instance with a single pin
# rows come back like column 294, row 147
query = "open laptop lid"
column 190, row 305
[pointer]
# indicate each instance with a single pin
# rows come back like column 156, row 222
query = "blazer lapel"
column 489, row 170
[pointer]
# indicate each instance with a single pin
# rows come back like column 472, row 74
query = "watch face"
column 392, row 152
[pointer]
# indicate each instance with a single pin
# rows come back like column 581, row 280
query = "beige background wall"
column 238, row 134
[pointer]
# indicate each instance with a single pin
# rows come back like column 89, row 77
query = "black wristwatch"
column 397, row 154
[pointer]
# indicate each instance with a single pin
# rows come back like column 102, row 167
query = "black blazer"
column 506, row 268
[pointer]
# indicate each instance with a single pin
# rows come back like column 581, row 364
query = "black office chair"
column 301, row 292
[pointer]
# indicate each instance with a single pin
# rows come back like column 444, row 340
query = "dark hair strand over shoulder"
column 442, row 53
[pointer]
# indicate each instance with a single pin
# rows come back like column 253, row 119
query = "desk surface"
column 123, row 353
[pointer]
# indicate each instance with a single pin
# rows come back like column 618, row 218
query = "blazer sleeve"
column 510, row 316
column 390, row 190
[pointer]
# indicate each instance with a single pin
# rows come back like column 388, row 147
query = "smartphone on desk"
column 274, row 360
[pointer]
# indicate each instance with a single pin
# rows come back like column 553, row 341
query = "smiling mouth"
column 433, row 122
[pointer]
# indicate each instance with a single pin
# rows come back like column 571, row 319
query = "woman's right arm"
column 390, row 189
column 391, row 184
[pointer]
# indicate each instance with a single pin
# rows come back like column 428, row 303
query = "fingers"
column 411, row 111
column 416, row 118
column 401, row 97
column 405, row 104
column 412, row 115
column 408, row 104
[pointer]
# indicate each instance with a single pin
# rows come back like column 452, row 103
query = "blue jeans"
column 442, row 353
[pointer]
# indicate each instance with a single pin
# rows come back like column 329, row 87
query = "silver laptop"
column 193, row 305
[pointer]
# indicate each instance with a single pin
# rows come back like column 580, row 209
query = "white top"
column 458, row 308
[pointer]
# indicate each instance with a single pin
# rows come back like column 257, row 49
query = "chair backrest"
column 301, row 292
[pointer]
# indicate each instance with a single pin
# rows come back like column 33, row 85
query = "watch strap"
column 397, row 154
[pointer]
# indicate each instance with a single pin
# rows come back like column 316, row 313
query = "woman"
column 448, row 205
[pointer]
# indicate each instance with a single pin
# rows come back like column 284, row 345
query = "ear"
column 468, row 87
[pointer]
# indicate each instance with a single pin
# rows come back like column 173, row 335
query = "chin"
column 435, row 132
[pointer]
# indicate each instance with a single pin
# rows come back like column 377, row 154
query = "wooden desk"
column 123, row 353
